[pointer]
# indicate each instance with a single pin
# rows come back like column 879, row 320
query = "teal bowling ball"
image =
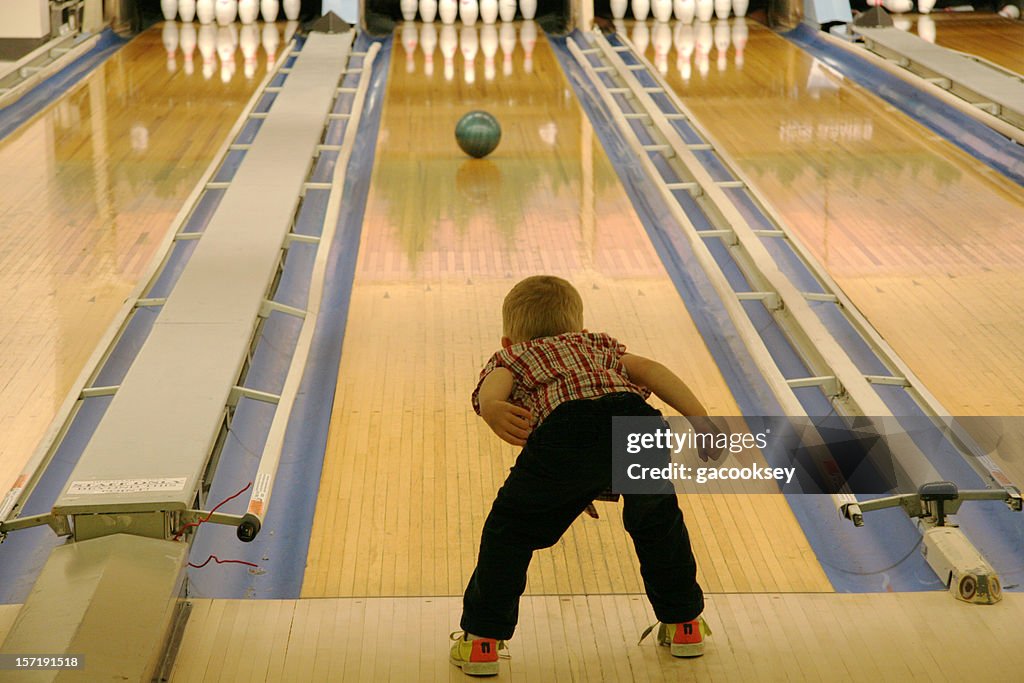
column 478, row 133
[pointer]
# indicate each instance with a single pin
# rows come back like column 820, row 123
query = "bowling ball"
column 478, row 133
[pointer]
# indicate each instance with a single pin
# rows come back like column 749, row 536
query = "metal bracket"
column 238, row 393
column 937, row 500
column 192, row 516
column 59, row 524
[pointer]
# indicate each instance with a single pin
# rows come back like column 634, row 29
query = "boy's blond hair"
column 541, row 306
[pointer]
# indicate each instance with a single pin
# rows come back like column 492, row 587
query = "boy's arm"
column 509, row 421
column 664, row 383
column 667, row 386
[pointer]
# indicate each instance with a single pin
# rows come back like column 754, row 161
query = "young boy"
column 553, row 389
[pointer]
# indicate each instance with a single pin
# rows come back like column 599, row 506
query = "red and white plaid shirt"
column 552, row 370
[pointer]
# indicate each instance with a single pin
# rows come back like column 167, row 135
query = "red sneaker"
column 477, row 657
column 683, row 640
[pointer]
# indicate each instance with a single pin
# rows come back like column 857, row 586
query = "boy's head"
column 541, row 306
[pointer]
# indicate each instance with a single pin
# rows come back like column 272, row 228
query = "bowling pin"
column 1008, row 11
column 705, row 8
column 739, row 39
column 902, row 22
column 208, row 48
column 529, row 11
column 469, row 45
column 448, row 9
column 488, row 12
column 641, row 37
column 428, row 12
column 428, row 41
column 188, row 46
column 926, row 6
column 449, row 44
column 528, row 39
column 722, row 8
column 640, row 9
column 269, row 9
column 898, row 6
column 722, row 37
column 205, row 11
column 292, row 9
column 489, row 46
column 661, row 38
column 661, row 9
column 469, row 10
column 410, row 38
column 187, row 10
column 507, row 10
column 169, row 35
column 248, row 11
column 619, row 8
column 408, row 9
column 507, row 41
column 926, row 28
column 683, row 40
column 169, row 9
column 226, row 11
column 740, row 7
column 683, row 10
column 249, row 42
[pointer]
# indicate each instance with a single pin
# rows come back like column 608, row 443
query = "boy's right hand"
column 510, row 422
column 704, row 425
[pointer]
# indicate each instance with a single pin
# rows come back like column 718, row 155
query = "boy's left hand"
column 510, row 422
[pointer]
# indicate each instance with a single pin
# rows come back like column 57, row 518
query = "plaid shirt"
column 552, row 370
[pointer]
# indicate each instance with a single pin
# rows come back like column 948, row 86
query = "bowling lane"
column 88, row 188
column 924, row 239
column 995, row 38
column 410, row 471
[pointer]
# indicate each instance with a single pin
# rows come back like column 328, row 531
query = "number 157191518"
column 21, row 662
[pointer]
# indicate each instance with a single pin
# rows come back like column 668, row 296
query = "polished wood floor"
column 924, row 239
column 990, row 36
column 410, row 471
column 111, row 163
column 756, row 637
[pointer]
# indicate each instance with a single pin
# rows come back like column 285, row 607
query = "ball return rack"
column 114, row 592
column 692, row 173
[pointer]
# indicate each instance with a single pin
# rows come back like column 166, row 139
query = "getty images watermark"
column 766, row 454
column 708, row 446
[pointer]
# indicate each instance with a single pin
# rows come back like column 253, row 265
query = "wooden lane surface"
column 410, row 471
column 88, row 188
column 990, row 36
column 762, row 637
column 925, row 240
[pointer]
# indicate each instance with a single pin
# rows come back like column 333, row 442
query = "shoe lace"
column 502, row 647
column 647, row 632
column 705, row 630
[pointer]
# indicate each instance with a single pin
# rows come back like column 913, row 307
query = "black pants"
column 566, row 462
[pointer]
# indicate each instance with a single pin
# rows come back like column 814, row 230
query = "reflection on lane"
column 922, row 237
column 88, row 188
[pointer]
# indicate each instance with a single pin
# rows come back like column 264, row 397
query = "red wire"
column 220, row 561
column 207, row 518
